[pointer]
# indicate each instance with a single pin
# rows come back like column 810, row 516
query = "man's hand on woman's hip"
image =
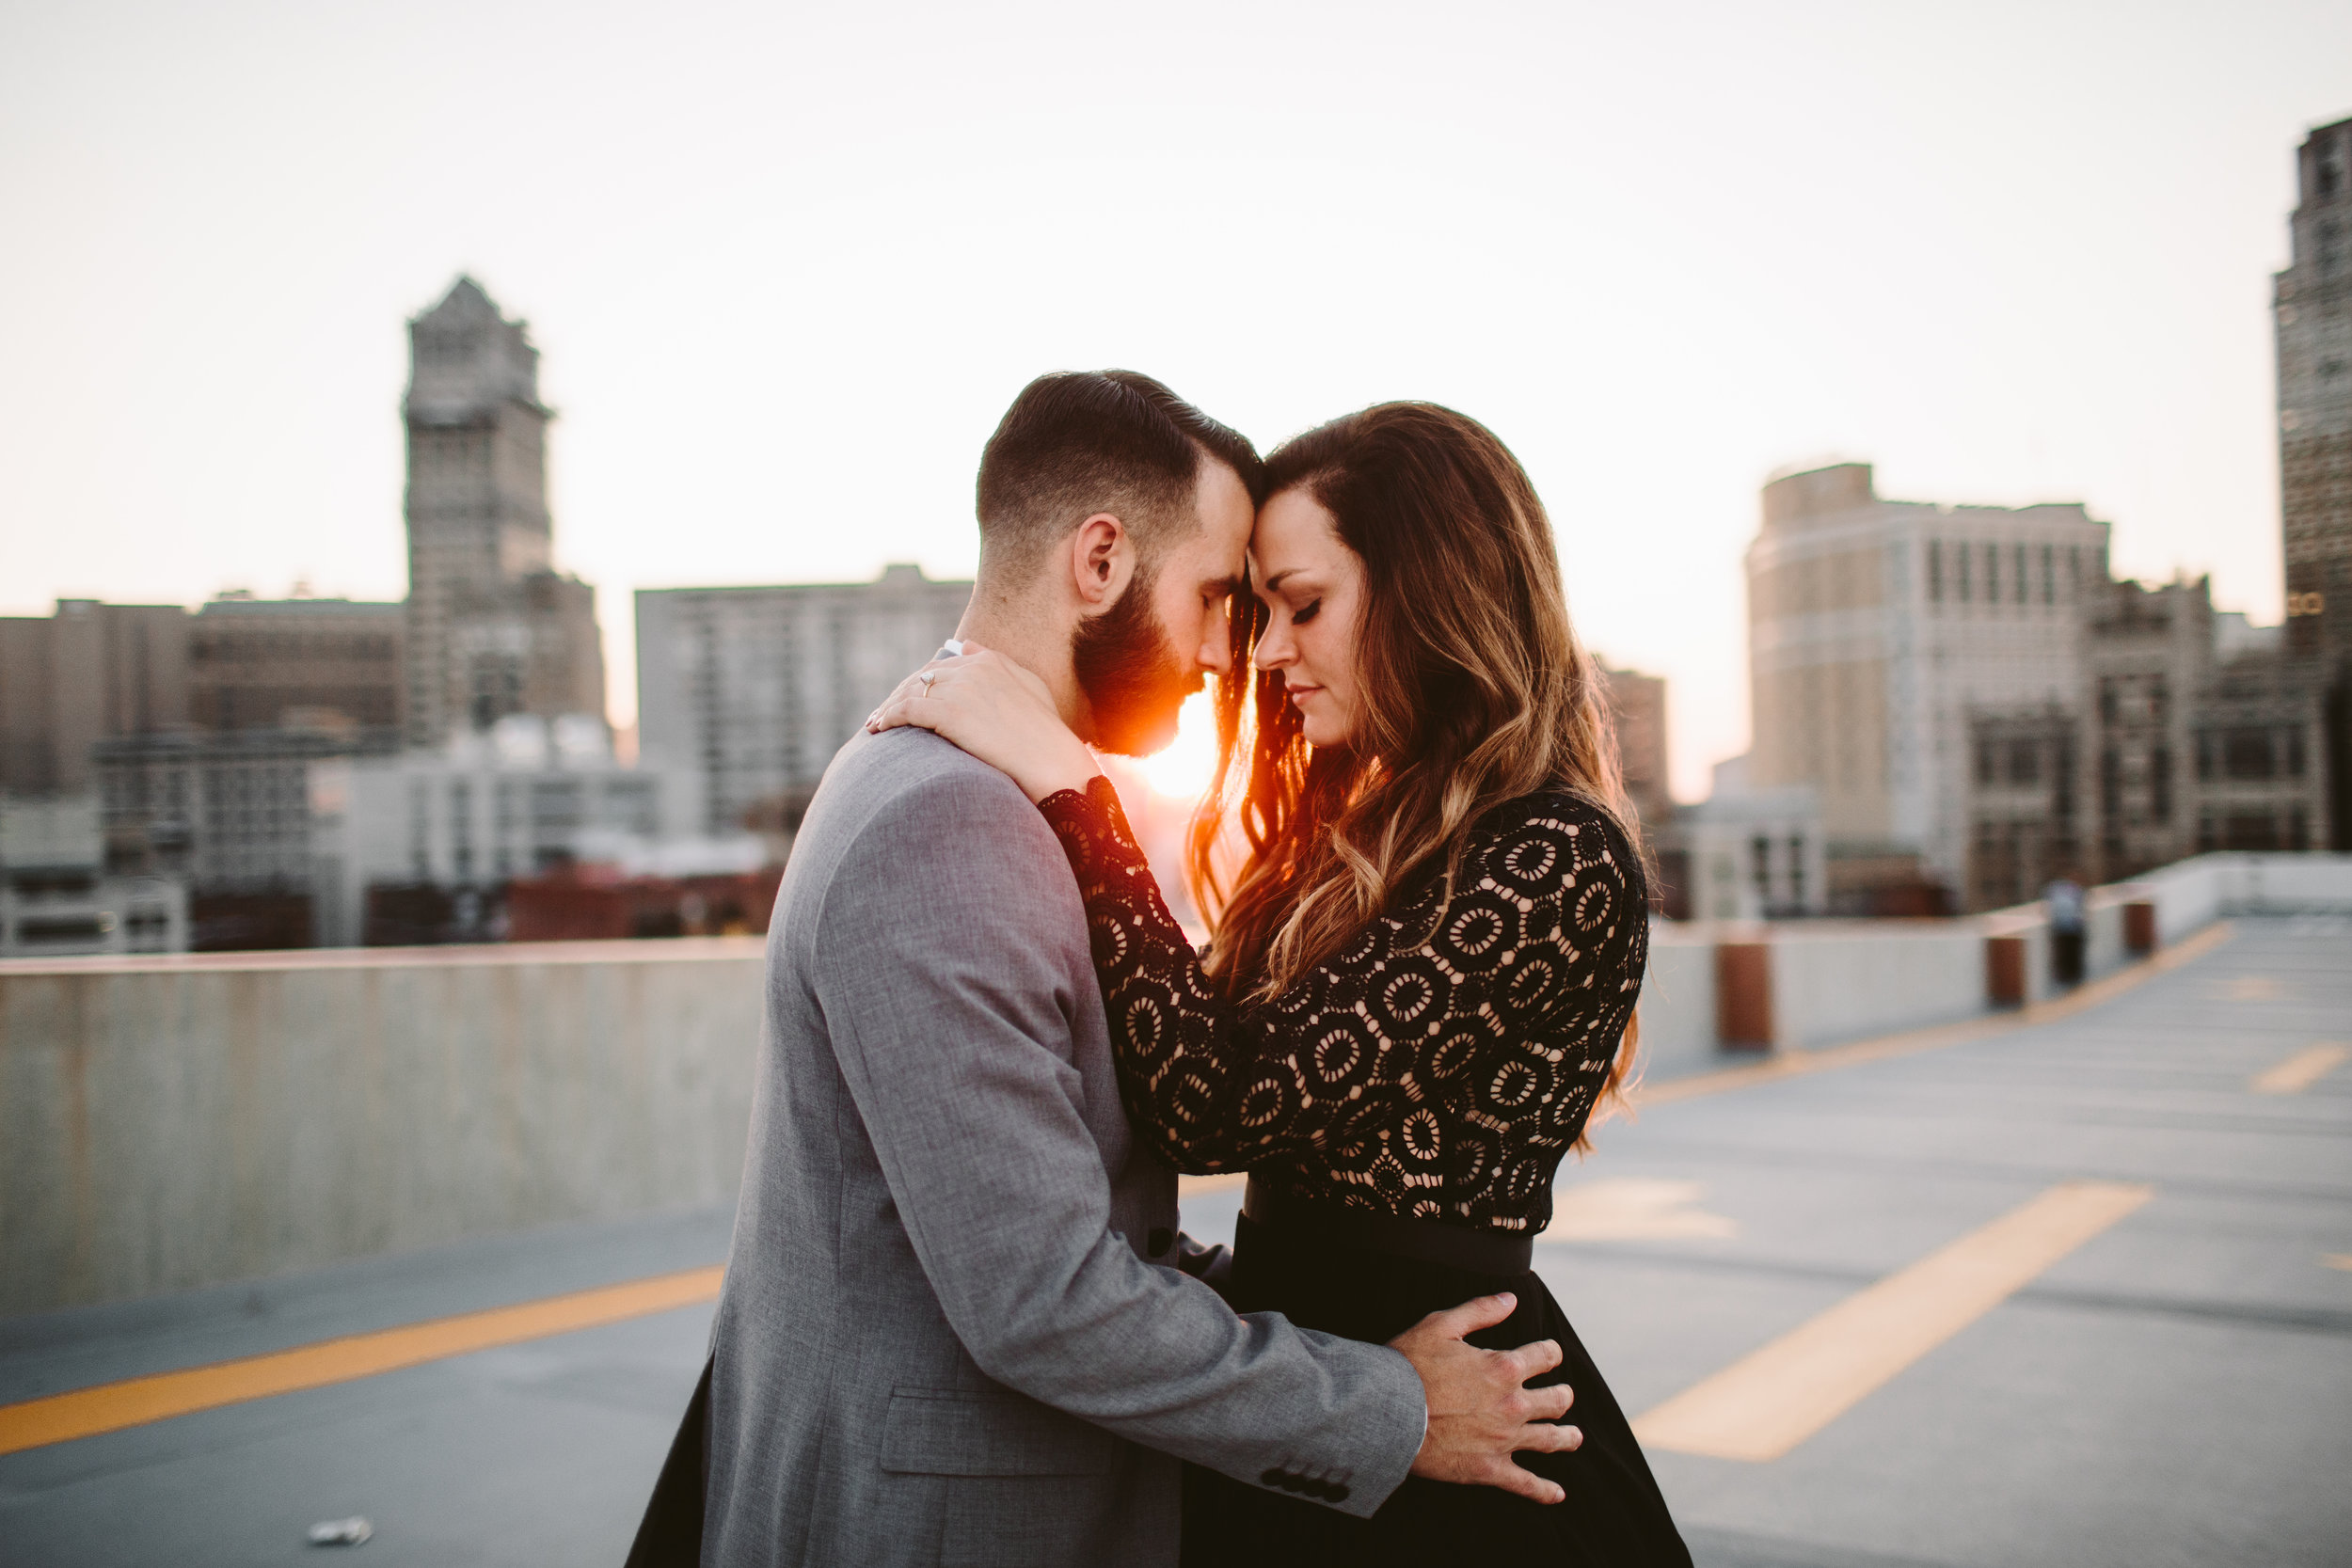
column 1480, row 1411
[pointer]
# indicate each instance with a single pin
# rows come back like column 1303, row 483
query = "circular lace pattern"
column 1440, row 1066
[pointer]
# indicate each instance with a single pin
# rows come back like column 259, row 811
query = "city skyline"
column 2006, row 264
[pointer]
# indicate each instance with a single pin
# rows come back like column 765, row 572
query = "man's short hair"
column 1078, row 442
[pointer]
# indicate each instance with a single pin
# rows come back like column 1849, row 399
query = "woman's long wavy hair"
column 1474, row 690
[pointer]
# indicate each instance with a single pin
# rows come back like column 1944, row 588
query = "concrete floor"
column 2178, row 1392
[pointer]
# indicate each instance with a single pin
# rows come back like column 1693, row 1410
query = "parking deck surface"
column 2167, row 1383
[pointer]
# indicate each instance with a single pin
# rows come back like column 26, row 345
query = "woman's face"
column 1313, row 589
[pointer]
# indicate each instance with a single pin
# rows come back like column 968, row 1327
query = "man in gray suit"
column 957, row 1326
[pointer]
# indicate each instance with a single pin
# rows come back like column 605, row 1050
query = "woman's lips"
column 1300, row 693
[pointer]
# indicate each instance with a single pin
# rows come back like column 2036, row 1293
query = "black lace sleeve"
column 1440, row 1066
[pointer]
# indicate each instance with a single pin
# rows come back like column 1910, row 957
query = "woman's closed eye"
column 1300, row 617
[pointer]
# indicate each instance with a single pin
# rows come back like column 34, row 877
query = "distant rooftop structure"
column 2234, row 634
column 237, row 604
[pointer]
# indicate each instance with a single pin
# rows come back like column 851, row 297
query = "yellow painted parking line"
column 2301, row 1071
column 1633, row 1208
column 2253, row 988
column 135, row 1401
column 1766, row 1404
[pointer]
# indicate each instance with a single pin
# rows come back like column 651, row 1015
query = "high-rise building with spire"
column 493, row 627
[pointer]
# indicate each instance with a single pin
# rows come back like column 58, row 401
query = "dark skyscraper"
column 2314, row 313
column 2315, row 310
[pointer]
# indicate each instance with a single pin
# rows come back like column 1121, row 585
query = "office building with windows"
column 2191, row 732
column 261, row 663
column 755, row 689
column 1876, row 627
column 453, row 826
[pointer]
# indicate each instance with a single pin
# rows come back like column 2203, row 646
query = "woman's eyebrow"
column 1274, row 584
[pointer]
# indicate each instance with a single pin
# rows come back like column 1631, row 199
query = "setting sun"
column 1182, row 771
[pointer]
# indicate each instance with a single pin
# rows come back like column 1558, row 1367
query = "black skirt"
column 1614, row 1516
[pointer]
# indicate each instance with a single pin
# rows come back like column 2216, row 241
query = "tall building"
column 2314, row 324
column 1875, row 628
column 89, row 673
column 492, row 627
column 2094, row 783
column 261, row 663
column 757, row 688
column 1637, row 703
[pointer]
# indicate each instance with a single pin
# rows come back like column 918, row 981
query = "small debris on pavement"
column 340, row 1532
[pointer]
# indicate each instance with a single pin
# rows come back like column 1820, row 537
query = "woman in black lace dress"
column 1430, row 931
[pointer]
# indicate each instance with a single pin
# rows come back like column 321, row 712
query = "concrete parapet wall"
column 1821, row 982
column 175, row 1121
column 2197, row 892
column 1824, row 982
column 1840, row 980
column 1678, row 1000
column 169, row 1123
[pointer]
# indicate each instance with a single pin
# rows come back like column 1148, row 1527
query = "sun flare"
column 1182, row 771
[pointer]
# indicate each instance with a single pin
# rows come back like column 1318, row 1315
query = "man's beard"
column 1133, row 681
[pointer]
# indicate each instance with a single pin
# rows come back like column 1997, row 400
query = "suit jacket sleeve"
column 947, row 954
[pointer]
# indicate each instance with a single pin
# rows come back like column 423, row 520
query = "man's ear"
column 1101, row 558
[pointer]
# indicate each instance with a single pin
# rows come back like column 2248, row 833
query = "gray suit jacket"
column 944, row 1336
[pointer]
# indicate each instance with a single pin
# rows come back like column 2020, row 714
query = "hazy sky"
column 787, row 264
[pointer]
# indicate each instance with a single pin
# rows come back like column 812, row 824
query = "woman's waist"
column 1290, row 1256
column 1308, row 1218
